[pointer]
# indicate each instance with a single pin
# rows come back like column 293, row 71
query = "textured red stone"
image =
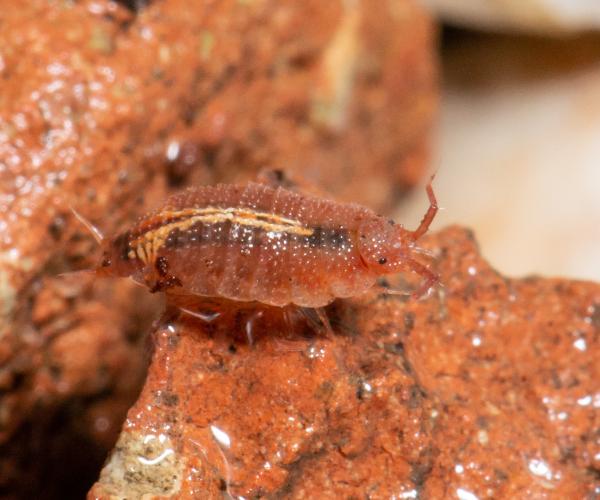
column 105, row 109
column 489, row 387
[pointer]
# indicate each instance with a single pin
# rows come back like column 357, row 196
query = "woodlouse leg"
column 250, row 323
column 429, row 215
column 285, row 343
column 317, row 319
column 430, row 277
column 290, row 320
column 206, row 316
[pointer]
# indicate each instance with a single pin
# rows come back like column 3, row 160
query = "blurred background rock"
column 517, row 147
column 542, row 16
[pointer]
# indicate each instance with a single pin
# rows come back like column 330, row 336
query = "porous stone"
column 487, row 389
column 107, row 106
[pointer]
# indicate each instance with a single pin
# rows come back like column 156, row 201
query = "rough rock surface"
column 488, row 389
column 105, row 109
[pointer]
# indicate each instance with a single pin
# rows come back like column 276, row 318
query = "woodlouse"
column 264, row 243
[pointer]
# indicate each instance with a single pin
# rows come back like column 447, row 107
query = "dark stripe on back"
column 193, row 236
column 324, row 237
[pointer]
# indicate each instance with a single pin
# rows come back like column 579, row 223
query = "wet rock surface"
column 105, row 107
column 487, row 389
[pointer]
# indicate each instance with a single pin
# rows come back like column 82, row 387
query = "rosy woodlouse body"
column 257, row 242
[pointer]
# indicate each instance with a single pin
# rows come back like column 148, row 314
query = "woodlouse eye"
column 382, row 260
column 106, row 262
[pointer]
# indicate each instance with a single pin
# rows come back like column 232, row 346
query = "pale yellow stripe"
column 149, row 243
column 236, row 212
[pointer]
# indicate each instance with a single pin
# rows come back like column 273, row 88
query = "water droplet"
column 172, row 150
column 540, row 468
column 408, row 494
column 463, row 494
column 585, row 400
column 580, row 344
column 221, row 436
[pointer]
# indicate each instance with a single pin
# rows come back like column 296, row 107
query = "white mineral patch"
column 142, row 464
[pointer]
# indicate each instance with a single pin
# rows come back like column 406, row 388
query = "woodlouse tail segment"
column 429, row 215
column 93, row 230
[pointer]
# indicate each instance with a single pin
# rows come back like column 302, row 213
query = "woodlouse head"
column 384, row 246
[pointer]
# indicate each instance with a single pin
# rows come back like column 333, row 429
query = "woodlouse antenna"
column 95, row 232
column 429, row 215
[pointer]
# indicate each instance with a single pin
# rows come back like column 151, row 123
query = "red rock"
column 486, row 389
column 105, row 110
